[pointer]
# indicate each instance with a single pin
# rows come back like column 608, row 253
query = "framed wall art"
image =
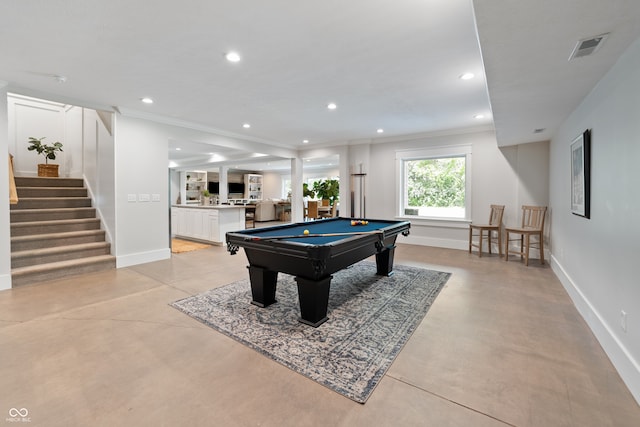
column 581, row 175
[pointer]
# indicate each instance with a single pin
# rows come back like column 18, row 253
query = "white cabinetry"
column 253, row 186
column 209, row 224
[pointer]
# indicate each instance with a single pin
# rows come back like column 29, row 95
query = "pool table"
column 330, row 245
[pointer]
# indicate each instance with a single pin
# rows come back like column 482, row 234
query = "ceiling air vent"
column 586, row 47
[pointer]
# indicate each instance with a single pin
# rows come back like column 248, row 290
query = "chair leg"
column 506, row 248
column 489, row 233
column 526, row 256
column 541, row 246
column 470, row 237
column 480, row 244
column 500, row 242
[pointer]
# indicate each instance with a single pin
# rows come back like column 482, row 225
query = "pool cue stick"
column 364, row 193
column 353, row 194
column 302, row 236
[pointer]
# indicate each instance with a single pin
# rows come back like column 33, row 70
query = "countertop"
column 213, row 206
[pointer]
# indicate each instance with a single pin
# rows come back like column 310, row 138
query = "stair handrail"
column 13, row 192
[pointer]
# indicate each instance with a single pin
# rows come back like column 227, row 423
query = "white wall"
column 73, row 140
column 36, row 118
column 272, row 185
column 595, row 258
column 98, row 169
column 141, row 168
column 511, row 176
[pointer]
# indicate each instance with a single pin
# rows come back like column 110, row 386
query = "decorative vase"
column 47, row 170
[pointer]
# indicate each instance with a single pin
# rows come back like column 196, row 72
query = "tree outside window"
column 435, row 187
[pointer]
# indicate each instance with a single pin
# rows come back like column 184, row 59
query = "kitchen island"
column 207, row 223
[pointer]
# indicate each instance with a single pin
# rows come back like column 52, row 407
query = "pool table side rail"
column 314, row 261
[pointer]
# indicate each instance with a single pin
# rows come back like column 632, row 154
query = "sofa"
column 266, row 210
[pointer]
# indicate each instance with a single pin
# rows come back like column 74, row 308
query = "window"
column 286, row 187
column 435, row 183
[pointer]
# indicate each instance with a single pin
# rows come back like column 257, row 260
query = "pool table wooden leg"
column 263, row 285
column 314, row 299
column 384, row 261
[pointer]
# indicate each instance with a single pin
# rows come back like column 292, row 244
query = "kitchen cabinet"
column 207, row 223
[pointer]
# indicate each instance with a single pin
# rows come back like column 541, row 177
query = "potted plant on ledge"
column 49, row 153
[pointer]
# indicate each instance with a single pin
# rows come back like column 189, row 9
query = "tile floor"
column 502, row 346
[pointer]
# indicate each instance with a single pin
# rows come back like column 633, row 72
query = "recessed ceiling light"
column 332, row 106
column 305, row 141
column 246, row 125
column 147, row 100
column 232, row 56
column 380, row 131
column 178, row 149
column 479, row 116
column 466, row 76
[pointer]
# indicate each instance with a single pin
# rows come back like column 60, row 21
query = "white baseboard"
column 5, row 282
column 142, row 258
column 622, row 360
column 430, row 241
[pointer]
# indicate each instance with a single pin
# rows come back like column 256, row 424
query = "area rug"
column 370, row 319
column 179, row 246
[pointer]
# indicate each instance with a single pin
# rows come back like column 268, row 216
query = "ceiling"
column 387, row 65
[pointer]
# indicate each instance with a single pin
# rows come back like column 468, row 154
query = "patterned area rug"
column 370, row 319
column 179, row 246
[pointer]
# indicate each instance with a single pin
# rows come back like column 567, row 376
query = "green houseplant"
column 206, row 197
column 327, row 189
column 307, row 192
column 49, row 151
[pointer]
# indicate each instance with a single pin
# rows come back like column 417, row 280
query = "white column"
column 224, row 184
column 297, row 203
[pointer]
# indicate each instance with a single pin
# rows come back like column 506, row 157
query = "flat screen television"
column 213, row 187
column 236, row 188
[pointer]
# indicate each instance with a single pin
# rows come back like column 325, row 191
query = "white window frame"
column 432, row 153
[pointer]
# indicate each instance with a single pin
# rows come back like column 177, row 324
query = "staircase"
column 55, row 232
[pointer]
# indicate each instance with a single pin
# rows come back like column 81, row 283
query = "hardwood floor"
column 502, row 346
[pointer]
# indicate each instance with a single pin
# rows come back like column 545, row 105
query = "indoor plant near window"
column 307, row 192
column 49, row 153
column 327, row 189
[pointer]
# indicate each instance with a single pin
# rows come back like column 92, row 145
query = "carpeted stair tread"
column 59, row 249
column 55, row 270
column 23, row 199
column 55, row 226
column 26, row 203
column 32, row 181
column 21, row 271
column 25, row 215
column 49, row 210
column 40, row 192
column 62, row 235
column 30, row 257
